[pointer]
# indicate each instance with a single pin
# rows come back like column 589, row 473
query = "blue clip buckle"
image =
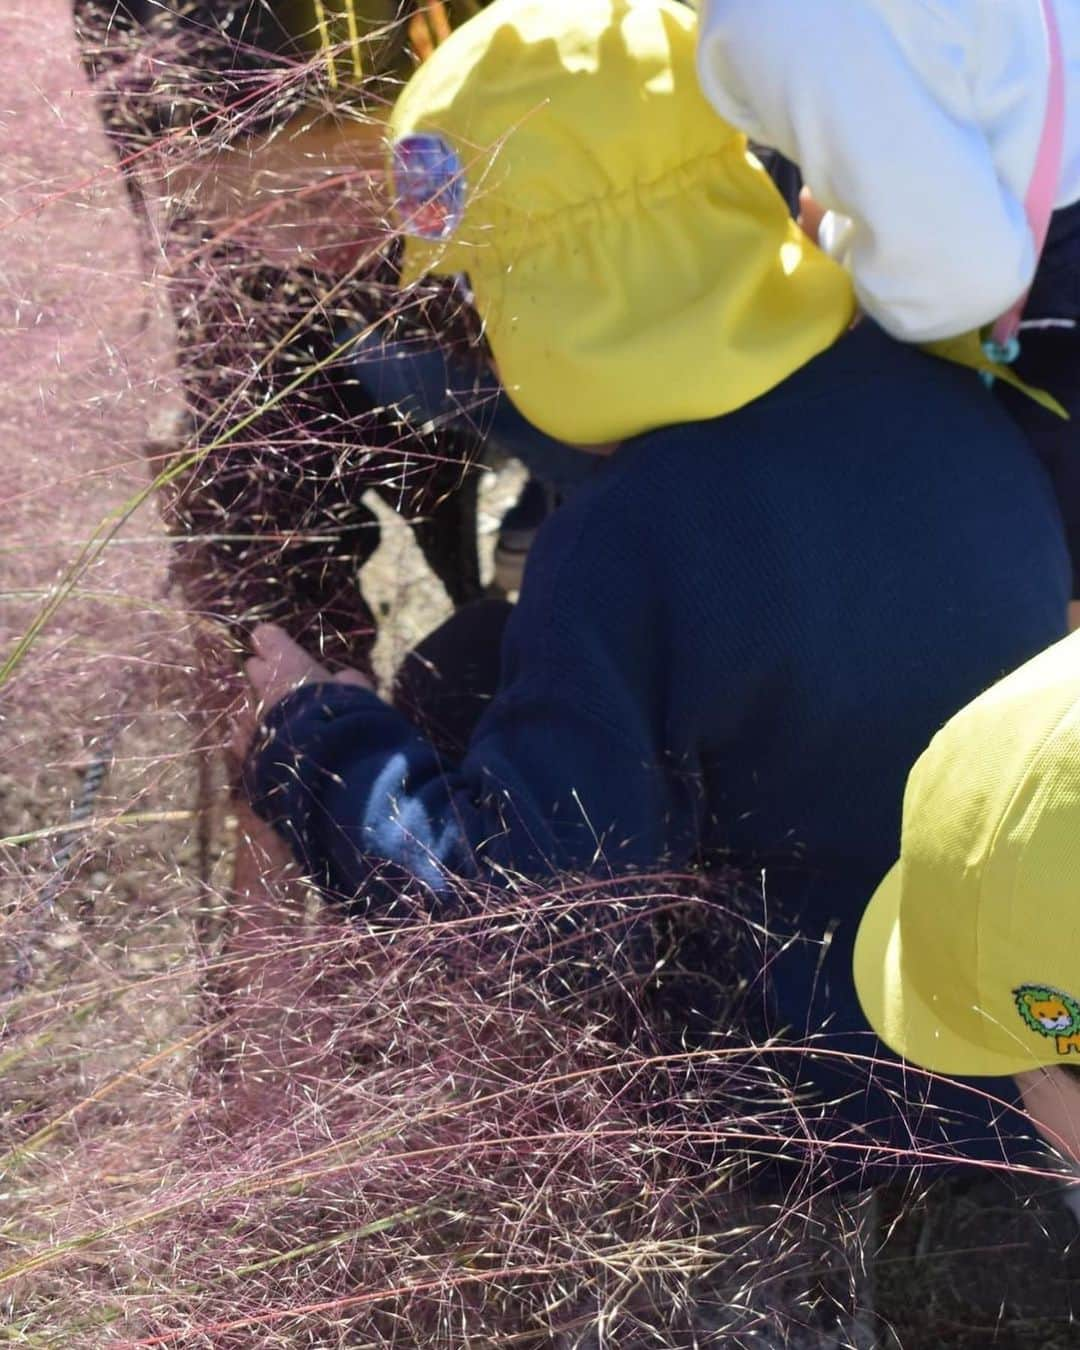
column 1001, row 353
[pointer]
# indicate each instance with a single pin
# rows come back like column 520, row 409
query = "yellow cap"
column 633, row 263
column 968, row 957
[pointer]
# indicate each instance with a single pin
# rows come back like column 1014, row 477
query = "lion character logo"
column 1050, row 1013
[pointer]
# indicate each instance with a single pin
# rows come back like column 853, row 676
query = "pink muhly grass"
column 422, row 1133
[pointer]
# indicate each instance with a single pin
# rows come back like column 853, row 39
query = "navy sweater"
column 733, row 642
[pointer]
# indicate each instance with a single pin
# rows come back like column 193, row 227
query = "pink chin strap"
column 1004, row 344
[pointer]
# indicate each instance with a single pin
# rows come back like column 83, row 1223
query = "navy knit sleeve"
column 545, row 787
column 341, row 776
column 565, row 771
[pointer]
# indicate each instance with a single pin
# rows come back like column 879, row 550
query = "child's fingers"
column 267, row 637
column 277, row 651
column 279, row 665
column 288, row 663
column 276, row 646
column 352, row 677
column 260, row 676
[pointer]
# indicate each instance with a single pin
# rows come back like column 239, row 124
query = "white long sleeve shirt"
column 920, row 120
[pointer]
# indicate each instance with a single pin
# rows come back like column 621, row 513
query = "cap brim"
column 907, row 1024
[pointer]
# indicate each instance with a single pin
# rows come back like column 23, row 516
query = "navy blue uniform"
column 1050, row 359
column 732, row 644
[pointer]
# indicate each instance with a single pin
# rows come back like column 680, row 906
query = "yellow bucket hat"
column 967, row 960
column 633, row 263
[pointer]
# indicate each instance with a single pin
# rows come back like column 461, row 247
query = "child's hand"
column 278, row 667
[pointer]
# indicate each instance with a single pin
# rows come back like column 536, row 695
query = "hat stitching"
column 507, row 230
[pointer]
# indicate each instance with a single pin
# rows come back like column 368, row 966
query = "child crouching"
column 805, row 548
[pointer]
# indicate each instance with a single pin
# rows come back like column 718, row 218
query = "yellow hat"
column 634, row 265
column 968, row 957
